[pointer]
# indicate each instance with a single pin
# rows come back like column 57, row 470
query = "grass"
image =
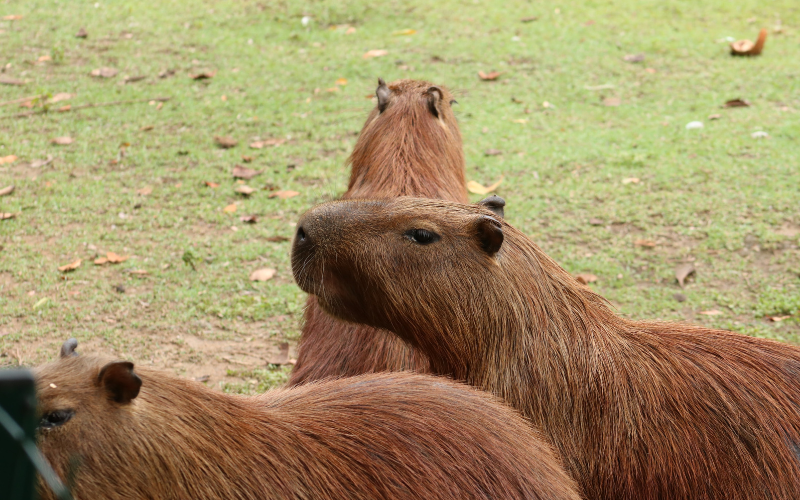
column 715, row 196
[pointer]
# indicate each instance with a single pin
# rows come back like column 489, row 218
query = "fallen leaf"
column 341, row 81
column 282, row 357
column 104, row 72
column 375, row 53
column 132, row 79
column 715, row 116
column 144, row 191
column 634, row 58
column 652, row 71
column 778, row 319
column 138, row 272
column 240, row 172
column 41, row 163
column 489, row 76
column 7, row 215
column 61, row 96
column 267, row 142
column 64, row 108
column 631, row 180
column 247, row 159
column 262, row 274
column 250, row 219
column 147, row 128
column 474, row 187
column 225, row 142
column 70, row 267
column 7, row 159
column 736, row 103
column 645, row 243
column 404, row 32
column 111, row 258
column 612, row 101
column 528, row 19
column 284, row 194
column 62, row 141
column 81, row 33
column 212, row 184
column 230, row 208
column 683, row 271
column 44, row 58
column 492, row 152
column 596, row 222
column 203, row 75
column 277, row 239
column 245, row 190
column 12, row 18
column 748, row 48
column 7, row 80
column 6, row 191
column 711, row 312
column 585, row 279
column 521, row 120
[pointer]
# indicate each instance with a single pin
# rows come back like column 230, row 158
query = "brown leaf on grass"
column 13, row 17
column 240, row 172
column 487, row 77
column 225, row 142
column 139, row 273
column 737, row 103
column 778, row 319
column 528, row 19
column 267, row 142
column 111, row 258
column 7, row 215
column 245, row 190
column 264, row 274
column 147, row 128
column 81, row 33
column 586, row 278
column 212, row 184
column 7, row 190
column 61, row 96
column 230, row 208
column 62, row 141
column 132, row 79
column 631, row 180
column 63, row 109
column 44, row 59
column 277, row 239
column 144, row 191
column 474, row 187
column 748, row 48
column 284, row 194
column 645, row 243
column 683, row 271
column 404, row 32
column 634, row 58
column 374, row 53
column 41, row 163
column 492, row 152
column 26, row 104
column 7, row 80
column 203, row 75
column 104, row 72
column 250, row 219
column 282, row 357
column 652, row 71
column 596, row 222
column 7, row 159
column 715, row 116
column 612, row 101
column 711, row 312
column 70, row 267
column 247, row 159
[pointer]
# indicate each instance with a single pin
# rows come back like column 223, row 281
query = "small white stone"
column 759, row 135
column 693, row 125
column 305, row 20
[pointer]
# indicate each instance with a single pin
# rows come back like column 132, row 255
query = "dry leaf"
column 250, row 219
column 631, row 180
column 245, row 190
column 736, row 103
column 683, row 271
column 147, row 128
column 521, row 120
column 284, row 194
column 404, row 32
column 247, row 159
column 492, row 152
column 7, row 215
column 634, row 58
column 230, row 208
column 277, row 239
column 612, row 101
column 144, row 191
column 7, row 80
column 132, row 79
column 138, row 272
column 240, row 172
column 489, row 76
column 212, row 184
column 64, row 108
column 111, row 258
column 778, row 319
column 203, row 75
column 712, row 312
column 596, row 222
column 267, row 142
column 44, row 59
column 748, row 48
column 585, row 279
column 474, row 187
column 62, row 141
column 6, row 191
column 715, row 116
column 282, row 357
column 70, row 267
column 7, row 159
column 341, row 81
column 104, row 72
column 61, row 96
column 225, row 142
column 12, row 18
column 528, row 19
column 262, row 274
column 652, row 71
column 645, row 243
column 81, row 33
column 375, row 53
column 41, row 163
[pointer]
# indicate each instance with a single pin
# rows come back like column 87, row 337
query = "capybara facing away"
column 409, row 145
column 116, row 433
column 637, row 409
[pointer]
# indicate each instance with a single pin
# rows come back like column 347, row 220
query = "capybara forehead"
column 74, row 373
column 417, row 87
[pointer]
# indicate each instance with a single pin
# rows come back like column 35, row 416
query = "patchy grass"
column 715, row 196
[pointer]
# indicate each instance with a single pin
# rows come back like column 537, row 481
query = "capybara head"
column 410, row 145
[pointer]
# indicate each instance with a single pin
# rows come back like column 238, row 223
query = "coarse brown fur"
column 386, row 436
column 638, row 409
column 410, row 145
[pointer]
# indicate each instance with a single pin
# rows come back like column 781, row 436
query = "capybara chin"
column 637, row 409
column 409, row 145
column 115, row 432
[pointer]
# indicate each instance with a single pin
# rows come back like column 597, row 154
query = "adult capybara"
column 637, row 409
column 410, row 145
column 116, row 433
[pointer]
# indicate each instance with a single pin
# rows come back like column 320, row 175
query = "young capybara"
column 410, row 145
column 113, row 432
column 637, row 409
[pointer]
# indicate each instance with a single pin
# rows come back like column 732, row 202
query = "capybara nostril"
column 301, row 234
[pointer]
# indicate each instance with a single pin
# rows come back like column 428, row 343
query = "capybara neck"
column 638, row 409
column 410, row 146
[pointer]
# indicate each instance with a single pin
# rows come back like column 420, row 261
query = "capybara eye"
column 55, row 418
column 301, row 235
column 422, row 236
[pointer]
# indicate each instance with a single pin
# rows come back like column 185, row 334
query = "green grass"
column 715, row 196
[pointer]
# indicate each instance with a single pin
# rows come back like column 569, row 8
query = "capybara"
column 118, row 433
column 410, row 145
column 638, row 409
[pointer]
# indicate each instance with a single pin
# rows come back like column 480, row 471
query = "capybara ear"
column 383, row 94
column 495, row 204
column 68, row 348
column 434, row 100
column 119, row 380
column 490, row 234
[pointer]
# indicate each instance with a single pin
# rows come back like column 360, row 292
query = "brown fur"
column 638, row 409
column 404, row 150
column 392, row 436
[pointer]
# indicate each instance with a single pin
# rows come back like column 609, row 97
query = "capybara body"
column 380, row 436
column 410, row 145
column 637, row 409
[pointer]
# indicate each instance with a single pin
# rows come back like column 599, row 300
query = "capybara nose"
column 301, row 235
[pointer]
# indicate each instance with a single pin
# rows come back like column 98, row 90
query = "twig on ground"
column 85, row 106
